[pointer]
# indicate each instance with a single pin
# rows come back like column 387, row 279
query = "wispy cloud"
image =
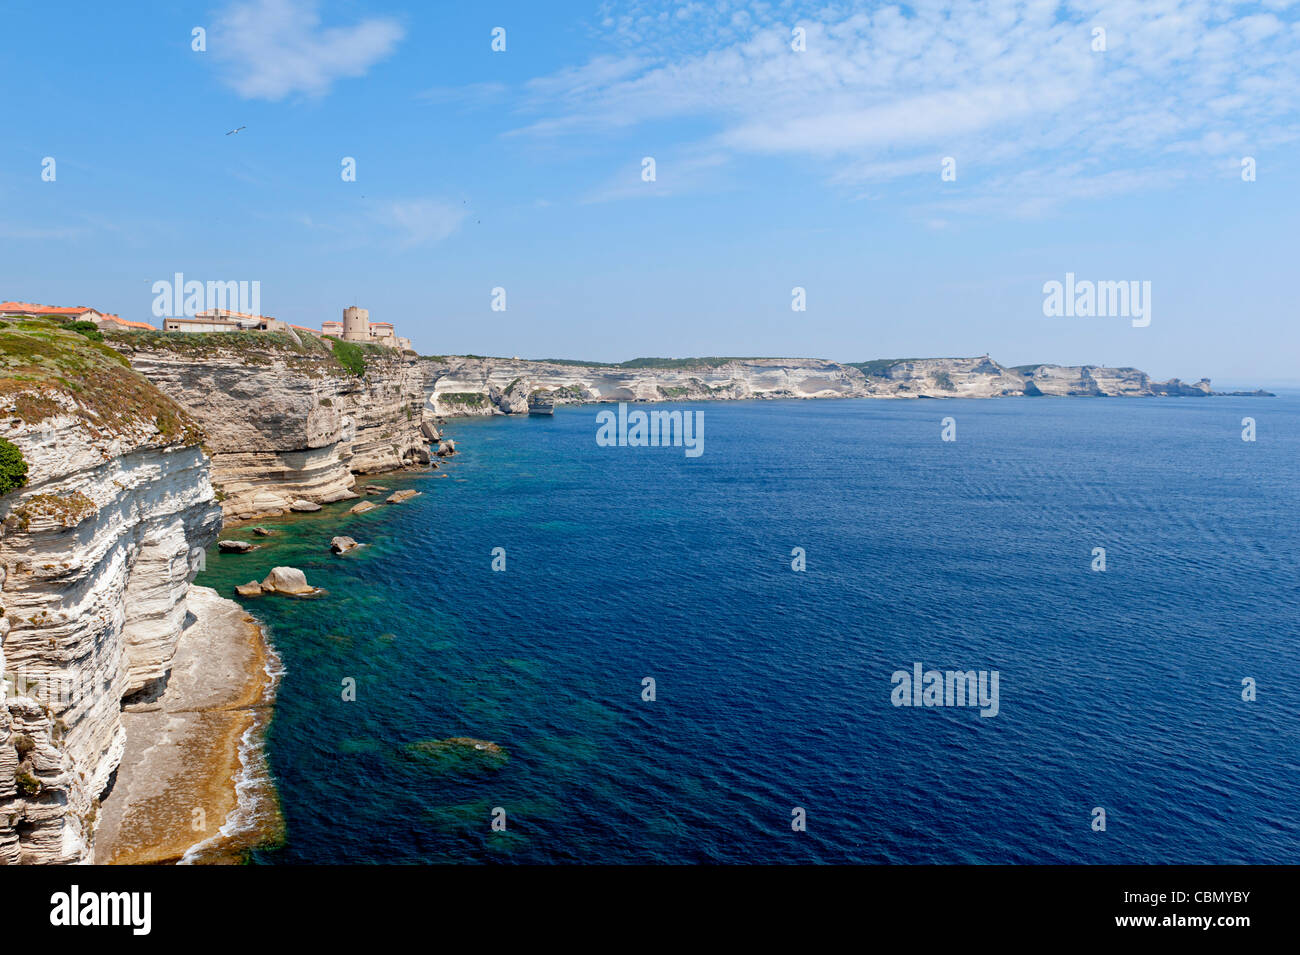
column 1015, row 91
column 270, row 49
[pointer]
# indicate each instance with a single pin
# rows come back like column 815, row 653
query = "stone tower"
column 356, row 324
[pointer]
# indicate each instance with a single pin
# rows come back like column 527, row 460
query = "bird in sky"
column 233, row 131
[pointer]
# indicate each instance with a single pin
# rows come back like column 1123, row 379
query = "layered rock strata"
column 285, row 421
column 98, row 546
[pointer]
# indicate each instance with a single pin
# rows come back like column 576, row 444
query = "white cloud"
column 1013, row 90
column 270, row 49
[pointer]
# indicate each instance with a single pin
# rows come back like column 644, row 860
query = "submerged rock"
column 401, row 496
column 250, row 589
column 458, row 753
column 287, row 580
column 341, row 545
column 375, row 489
column 262, row 532
column 306, row 506
column 235, row 547
column 363, row 507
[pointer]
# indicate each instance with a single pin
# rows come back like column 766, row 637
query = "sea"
column 685, row 659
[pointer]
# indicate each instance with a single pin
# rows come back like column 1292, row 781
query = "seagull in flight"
column 233, row 131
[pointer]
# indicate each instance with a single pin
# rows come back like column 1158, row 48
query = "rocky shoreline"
column 176, row 785
column 131, row 701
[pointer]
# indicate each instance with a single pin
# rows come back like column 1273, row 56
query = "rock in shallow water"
column 341, row 545
column 304, row 506
column 401, row 496
column 250, row 589
column 235, row 547
column 458, row 754
column 363, row 507
column 287, row 580
column 262, row 532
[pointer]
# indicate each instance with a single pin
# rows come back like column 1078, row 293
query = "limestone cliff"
column 107, row 512
column 285, row 418
column 472, row 385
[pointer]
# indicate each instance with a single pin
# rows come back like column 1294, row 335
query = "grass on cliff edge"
column 303, row 352
column 40, row 358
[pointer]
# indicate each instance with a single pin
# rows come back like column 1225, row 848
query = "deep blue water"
column 1119, row 689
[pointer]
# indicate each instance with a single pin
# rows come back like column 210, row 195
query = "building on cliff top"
column 357, row 327
column 106, row 321
column 224, row 320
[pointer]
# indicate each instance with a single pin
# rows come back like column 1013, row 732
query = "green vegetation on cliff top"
column 43, row 359
column 301, row 351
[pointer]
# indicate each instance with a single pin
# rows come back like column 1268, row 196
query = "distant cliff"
column 106, row 506
column 472, row 385
column 288, row 417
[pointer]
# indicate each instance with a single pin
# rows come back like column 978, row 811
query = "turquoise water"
column 1119, row 690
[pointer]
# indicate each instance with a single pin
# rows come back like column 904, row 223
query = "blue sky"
column 775, row 168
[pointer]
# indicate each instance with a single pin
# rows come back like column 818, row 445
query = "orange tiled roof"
column 28, row 308
column 122, row 321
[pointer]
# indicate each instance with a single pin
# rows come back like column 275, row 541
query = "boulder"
column 341, row 545
column 430, row 430
column 250, row 589
column 401, row 496
column 446, row 448
column 363, row 507
column 287, row 580
column 301, row 505
column 375, row 489
column 513, row 399
column 235, row 547
column 262, row 532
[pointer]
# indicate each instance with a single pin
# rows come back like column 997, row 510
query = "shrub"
column 28, row 784
column 89, row 329
column 350, row 357
column 13, row 469
column 23, row 744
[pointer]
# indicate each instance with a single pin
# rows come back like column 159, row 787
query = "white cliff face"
column 465, row 386
column 95, row 565
column 288, row 423
column 484, row 386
